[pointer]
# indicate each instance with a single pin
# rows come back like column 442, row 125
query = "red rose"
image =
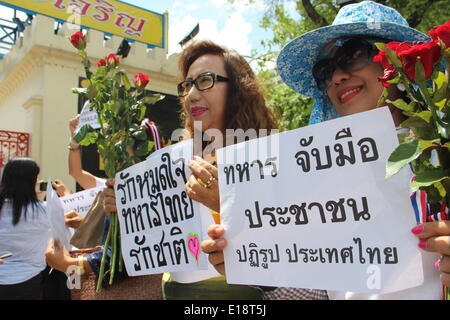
column 78, row 40
column 112, row 59
column 141, row 80
column 101, row 63
column 389, row 71
column 428, row 53
column 393, row 45
column 442, row 33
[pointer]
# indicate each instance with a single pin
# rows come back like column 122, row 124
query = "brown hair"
column 245, row 107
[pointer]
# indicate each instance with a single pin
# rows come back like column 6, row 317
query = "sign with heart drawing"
column 194, row 245
column 160, row 226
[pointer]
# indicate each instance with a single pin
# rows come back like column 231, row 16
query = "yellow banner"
column 110, row 16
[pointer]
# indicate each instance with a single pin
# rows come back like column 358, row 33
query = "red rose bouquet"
column 422, row 71
column 121, row 141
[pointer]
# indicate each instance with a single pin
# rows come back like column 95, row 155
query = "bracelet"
column 73, row 149
column 81, row 264
column 74, row 144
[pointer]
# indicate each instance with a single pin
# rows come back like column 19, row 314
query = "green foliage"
column 291, row 109
column 427, row 107
column 121, row 142
column 119, row 106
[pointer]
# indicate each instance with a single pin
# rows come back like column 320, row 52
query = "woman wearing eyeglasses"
column 335, row 66
column 219, row 91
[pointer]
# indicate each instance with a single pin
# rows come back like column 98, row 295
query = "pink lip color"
column 350, row 96
column 198, row 111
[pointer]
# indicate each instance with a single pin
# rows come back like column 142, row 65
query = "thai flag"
column 151, row 127
column 422, row 208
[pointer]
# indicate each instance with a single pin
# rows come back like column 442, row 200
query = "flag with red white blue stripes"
column 422, row 209
column 151, row 127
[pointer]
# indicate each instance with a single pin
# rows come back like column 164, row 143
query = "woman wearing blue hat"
column 334, row 65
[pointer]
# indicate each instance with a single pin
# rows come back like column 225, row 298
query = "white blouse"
column 27, row 241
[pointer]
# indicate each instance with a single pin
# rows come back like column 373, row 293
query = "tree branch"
column 416, row 17
column 313, row 14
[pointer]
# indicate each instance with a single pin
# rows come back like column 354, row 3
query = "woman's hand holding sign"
column 109, row 202
column 435, row 237
column 202, row 185
column 214, row 247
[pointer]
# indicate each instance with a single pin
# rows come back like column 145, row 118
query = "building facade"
column 36, row 81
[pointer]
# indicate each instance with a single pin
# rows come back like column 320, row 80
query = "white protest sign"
column 55, row 212
column 88, row 117
column 81, row 201
column 315, row 211
column 200, row 275
column 160, row 226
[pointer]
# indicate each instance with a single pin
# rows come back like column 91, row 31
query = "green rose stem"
column 443, row 153
column 441, row 126
column 86, row 63
column 120, row 258
column 114, row 253
column 443, row 130
column 102, row 264
column 113, row 227
column 118, row 106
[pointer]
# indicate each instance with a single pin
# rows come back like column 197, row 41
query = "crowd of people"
column 333, row 64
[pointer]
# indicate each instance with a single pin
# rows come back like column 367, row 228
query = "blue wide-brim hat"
column 298, row 57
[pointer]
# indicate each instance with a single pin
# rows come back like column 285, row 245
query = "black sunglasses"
column 352, row 55
column 203, row 81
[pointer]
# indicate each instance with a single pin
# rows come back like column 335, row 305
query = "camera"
column 43, row 186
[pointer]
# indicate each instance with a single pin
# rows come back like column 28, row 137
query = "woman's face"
column 358, row 91
column 207, row 106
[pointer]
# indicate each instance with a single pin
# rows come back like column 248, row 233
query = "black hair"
column 18, row 184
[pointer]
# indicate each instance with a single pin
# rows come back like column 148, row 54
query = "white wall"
column 36, row 81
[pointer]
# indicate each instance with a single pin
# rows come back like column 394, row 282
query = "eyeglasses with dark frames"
column 203, row 82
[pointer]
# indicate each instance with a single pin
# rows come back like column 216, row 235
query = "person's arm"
column 60, row 188
column 59, row 259
column 85, row 179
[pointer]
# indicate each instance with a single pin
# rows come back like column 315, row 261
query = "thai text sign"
column 317, row 212
column 88, row 117
column 81, row 201
column 160, row 226
column 110, row 16
column 55, row 212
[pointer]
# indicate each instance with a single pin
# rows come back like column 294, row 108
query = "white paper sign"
column 55, row 213
column 81, row 201
column 315, row 211
column 160, row 226
column 200, row 275
column 88, row 117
